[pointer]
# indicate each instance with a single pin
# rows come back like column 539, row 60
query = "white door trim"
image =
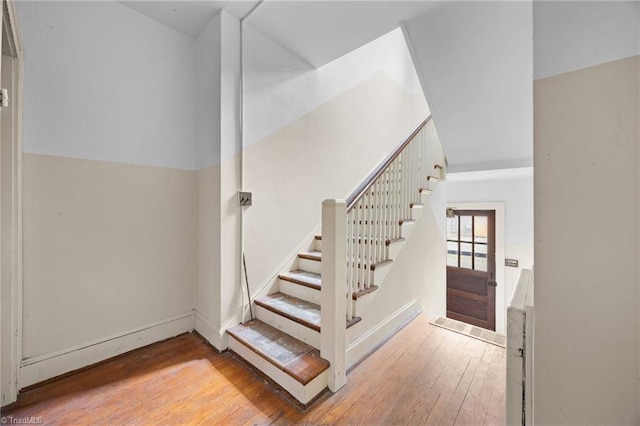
column 11, row 345
column 501, row 302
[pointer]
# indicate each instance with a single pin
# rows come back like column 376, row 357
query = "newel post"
column 333, row 335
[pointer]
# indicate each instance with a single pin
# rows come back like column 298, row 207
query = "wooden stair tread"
column 296, row 358
column 311, row 255
column 395, row 240
column 298, row 310
column 357, row 295
column 305, row 278
column 425, row 191
column 318, row 237
column 353, row 321
column 373, row 266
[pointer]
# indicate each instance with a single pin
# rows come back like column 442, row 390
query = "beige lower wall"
column 324, row 154
column 586, row 246
column 207, row 302
column 108, row 248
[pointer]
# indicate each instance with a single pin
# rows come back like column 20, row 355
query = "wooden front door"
column 471, row 267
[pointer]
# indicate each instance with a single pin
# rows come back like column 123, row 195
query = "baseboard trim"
column 209, row 331
column 43, row 367
column 364, row 345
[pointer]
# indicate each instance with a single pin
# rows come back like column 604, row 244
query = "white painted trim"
column 368, row 341
column 501, row 296
column 15, row 340
column 216, row 336
column 208, row 330
column 520, row 352
column 36, row 369
column 498, row 174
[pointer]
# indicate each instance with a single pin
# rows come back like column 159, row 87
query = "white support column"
column 334, row 300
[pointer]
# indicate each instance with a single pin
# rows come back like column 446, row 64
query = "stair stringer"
column 272, row 283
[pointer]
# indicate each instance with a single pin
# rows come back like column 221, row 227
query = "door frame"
column 501, row 302
column 11, row 346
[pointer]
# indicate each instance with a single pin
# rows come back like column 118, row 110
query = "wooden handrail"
column 377, row 172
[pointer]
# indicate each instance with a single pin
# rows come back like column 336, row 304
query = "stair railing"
column 357, row 232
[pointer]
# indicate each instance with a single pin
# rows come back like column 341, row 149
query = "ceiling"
column 474, row 59
column 321, row 31
column 189, row 16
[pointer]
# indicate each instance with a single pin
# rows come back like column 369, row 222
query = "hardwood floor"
column 423, row 375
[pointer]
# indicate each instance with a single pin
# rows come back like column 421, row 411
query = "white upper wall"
column 571, row 35
column 280, row 87
column 475, row 62
column 514, row 187
column 104, row 82
column 208, row 74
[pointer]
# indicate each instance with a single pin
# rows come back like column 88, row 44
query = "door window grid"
column 467, row 242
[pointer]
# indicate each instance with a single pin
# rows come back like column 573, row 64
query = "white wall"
column 104, row 82
column 572, row 35
column 586, row 188
column 109, row 242
column 207, row 109
column 474, row 60
column 208, row 71
column 514, row 187
column 316, row 134
column 230, row 171
column 280, row 87
column 219, row 145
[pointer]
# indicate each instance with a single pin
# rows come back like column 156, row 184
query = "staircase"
column 286, row 340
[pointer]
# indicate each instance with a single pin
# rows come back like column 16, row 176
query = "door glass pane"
column 452, row 254
column 465, row 255
column 452, row 228
column 465, row 229
column 480, row 257
column 480, row 229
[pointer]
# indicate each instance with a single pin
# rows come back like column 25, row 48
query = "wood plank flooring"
column 423, row 375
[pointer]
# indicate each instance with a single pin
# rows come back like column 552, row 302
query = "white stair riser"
column 303, row 393
column 416, row 212
column 381, row 272
column 394, row 249
column 406, row 229
column 300, row 291
column 292, row 328
column 424, row 197
column 318, row 245
column 310, row 265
